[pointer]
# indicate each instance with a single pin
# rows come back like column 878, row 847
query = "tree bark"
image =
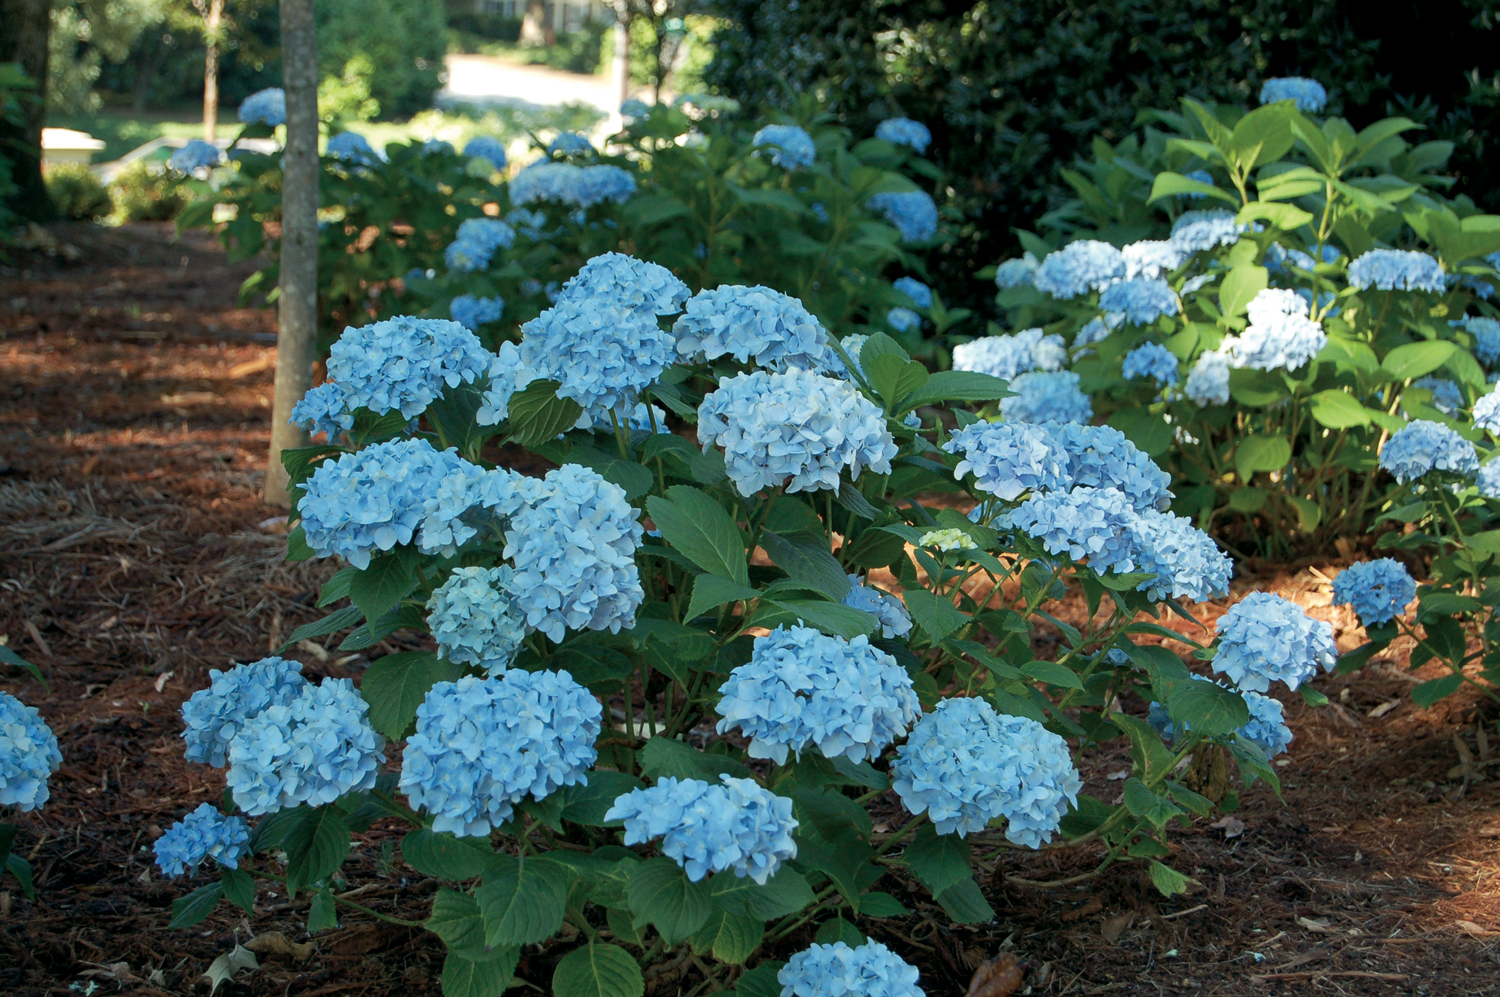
column 297, row 336
column 620, row 68
column 24, row 25
column 211, row 23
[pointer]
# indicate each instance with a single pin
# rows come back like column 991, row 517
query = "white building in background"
column 562, row 16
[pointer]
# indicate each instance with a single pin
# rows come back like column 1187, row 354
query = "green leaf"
column 1053, row 673
column 587, row 804
column 1312, row 697
column 1261, row 453
column 1242, row 284
column 937, row 616
column 315, row 846
column 806, row 558
column 853, row 500
column 663, row 757
column 320, row 913
column 1431, row 691
column 1284, row 216
column 1337, row 409
column 662, row 895
column 698, row 526
column 193, row 908
column 829, row 617
column 881, row 905
column 939, row 861
column 838, row 930
column 239, row 889
column 372, row 632
column 713, row 591
column 1145, row 429
column 891, row 377
column 1263, row 135
column 383, row 584
column 1175, row 184
column 1415, row 359
column 468, row 977
column 846, row 862
column 1208, row 708
column 395, row 685
column 1147, row 805
column 538, row 416
column 444, row 856
column 1168, row 881
column 598, row 970
column 1166, row 670
column 337, row 587
column 783, row 894
column 1152, row 759
column 965, row 903
column 9, row 657
column 21, row 869
column 349, row 616
column 522, row 900
column 955, row 386
column 760, row 981
column 731, row 938
column 831, row 814
column 298, row 461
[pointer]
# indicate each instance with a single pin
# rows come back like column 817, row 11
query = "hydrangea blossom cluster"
column 1149, row 260
column 1103, row 457
column 1486, row 411
column 1020, row 272
column 1006, row 458
column 467, row 499
column 1398, row 270
column 1151, row 360
column 795, row 428
column 912, row 212
column 902, row 319
column 570, row 144
column 1421, row 447
column 508, row 374
column 965, row 765
column 600, row 351
column 1184, row 562
column 1379, row 590
column 476, row 243
column 1047, row 396
column 870, row 970
column 792, row 147
column 488, row 148
column 203, row 834
column 647, row 288
column 475, row 618
column 706, row 828
column 1486, row 333
column 1095, row 330
column 404, row 363
column 1078, row 268
column 1489, row 480
column 578, row 186
column 1280, row 335
column 1208, row 381
column 904, row 131
column 1197, row 231
column 28, row 754
column 482, row 745
column 918, row 292
column 196, row 155
column 323, row 410
column 1447, row 396
column 1308, row 95
column 635, row 108
column 948, row 539
column 352, row 147
column 1093, row 523
column 437, row 147
column 1266, row 639
column 1009, row 356
column 752, row 324
column 895, row 621
column 312, row 750
column 264, row 107
column 471, row 312
column 802, row 689
column 574, row 554
column 1266, row 728
column 1142, row 300
column 215, row 714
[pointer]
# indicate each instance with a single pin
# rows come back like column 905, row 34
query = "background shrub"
column 142, row 194
column 78, row 194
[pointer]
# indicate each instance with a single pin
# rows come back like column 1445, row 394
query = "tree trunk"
column 297, row 337
column 211, row 23
column 23, row 38
column 620, row 68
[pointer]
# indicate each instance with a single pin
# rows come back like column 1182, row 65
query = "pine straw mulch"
column 135, row 555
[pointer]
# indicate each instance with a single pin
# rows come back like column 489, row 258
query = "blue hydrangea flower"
column 1266, row 639
column 1150, row 260
column 1006, row 458
column 1489, row 480
column 918, row 292
column 635, row 108
column 476, row 243
column 482, row 745
column 1009, row 356
column 706, row 828
column 602, row 184
column 1202, row 176
column 487, row 148
column 507, row 375
column 475, row 618
column 471, row 312
column 1308, row 95
column 1280, row 335
column 626, row 281
column 570, row 144
column 1197, row 231
column 793, row 147
column 904, row 131
column 1266, row 728
column 203, row 834
column 1379, row 590
column 1487, row 411
column 264, row 107
column 313, row 750
column 352, row 147
column 1447, row 396
column 752, row 324
column 1208, row 381
column 1398, row 270
column 1047, row 396
column 1486, row 333
column 214, row 715
column 1092, row 523
column 601, row 352
column 1102, row 457
column 373, row 499
column 545, row 180
column 1151, row 360
column 404, row 363
column 469, row 499
column 1142, row 300
column 794, row 428
column 965, row 765
column 1096, row 330
column 1078, row 268
column 641, row 418
column 1184, row 561
column 28, row 754
column 1017, row 273
column 836, row 970
column 903, row 319
column 895, row 621
column 196, row 155
column 323, row 409
column 913, row 213
column 574, row 550
column 1421, row 447
column 851, row 344
column 802, row 689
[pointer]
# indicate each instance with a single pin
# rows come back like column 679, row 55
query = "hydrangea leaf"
column 839, row 930
column 1169, row 184
column 785, row 893
column 661, row 894
column 846, row 862
column 1253, row 764
column 383, row 584
column 964, row 902
column 1052, row 673
column 1168, row 881
column 320, row 913
column 1240, row 287
column 349, row 616
column 586, row 804
column 372, row 632
column 1152, row 759
column 1431, row 691
column 537, row 415
column 622, row 925
column 598, row 970
column 939, row 861
column 829, row 617
column 711, row 591
column 466, row 977
column 239, row 889
column 731, row 938
column 522, row 900
column 882, row 905
column 1415, row 359
column 831, row 814
column 699, row 527
column 1143, row 803
column 9, row 657
column 315, row 846
column 805, row 558
column 937, row 617
column 444, row 856
column 1337, row 409
column 396, row 684
column 1261, row 453
column 663, row 757
column 1208, row 708
column 956, row 386
column 186, row 911
column 761, row 981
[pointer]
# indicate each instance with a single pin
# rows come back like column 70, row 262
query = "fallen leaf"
column 162, row 679
column 1383, row 709
column 1493, row 831
column 1478, row 931
column 225, row 966
column 1113, row 928
column 999, row 977
column 1232, row 827
column 1321, row 925
column 117, row 971
column 1117, row 776
column 275, row 943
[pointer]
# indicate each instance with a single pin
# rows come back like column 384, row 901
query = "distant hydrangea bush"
column 1486, row 334
column 29, row 754
column 352, row 147
column 1308, row 95
column 477, row 242
column 1009, row 356
column 1422, row 446
column 836, row 970
column 1208, row 381
column 1047, row 396
column 1378, row 590
column 904, row 131
column 1199, row 231
column 1078, row 268
column 264, row 107
column 791, row 147
column 570, row 144
column 471, row 312
column 204, row 834
column 1142, row 300
column 918, row 292
column 487, row 148
column 1151, row 360
column 913, row 213
column 1265, row 638
column 1398, row 270
column 214, row 715
column 753, row 325
column 568, row 184
column 196, row 155
column 1019, row 272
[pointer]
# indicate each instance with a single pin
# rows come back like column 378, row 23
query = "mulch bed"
column 135, row 554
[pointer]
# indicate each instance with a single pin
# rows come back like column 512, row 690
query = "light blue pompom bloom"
column 1184, row 561
column 793, row 147
column 323, row 409
column 404, row 363
column 836, row 970
column 601, row 352
column 373, row 499
column 1447, row 396
column 488, row 148
column 1007, row 459
column 903, row 319
column 570, row 144
column 1279, row 336
column 352, row 147
column 475, row 618
column 626, row 281
column 1266, row 639
column 1078, row 268
column 895, row 621
column 214, row 715
column 437, row 147
column 476, row 242
column 913, row 213
column 1092, row 523
column 794, row 428
column 315, row 749
column 635, row 108
column 1266, row 728
column 1149, row 259
column 1016, row 273
column 602, row 184
column 1094, row 331
column 196, row 155
column 706, row 828
column 1421, row 447
column 471, row 312
column 482, row 745
column 1102, row 457
column 1151, row 360
column 1197, row 231
column 802, row 689
column 1379, row 590
column 1489, row 480
column 1398, row 270
column 1047, row 396
column 1009, row 356
column 1142, row 300
column 1487, row 411
column 918, row 292
column 264, row 107
column 754, row 325
column 468, row 500
column 1486, row 333
column 203, row 834
column 508, row 374
column 1308, row 95
column 544, row 180
column 574, row 550
column 28, row 754
column 1208, row 381
column 904, row 131
column 965, row 765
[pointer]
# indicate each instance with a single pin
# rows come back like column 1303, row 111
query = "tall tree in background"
column 212, row 12
column 23, row 40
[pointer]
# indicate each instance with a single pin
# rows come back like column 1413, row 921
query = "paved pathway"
column 481, row 79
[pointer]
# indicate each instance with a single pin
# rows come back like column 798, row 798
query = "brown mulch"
column 135, row 555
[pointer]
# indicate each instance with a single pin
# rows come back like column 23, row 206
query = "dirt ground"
column 135, row 555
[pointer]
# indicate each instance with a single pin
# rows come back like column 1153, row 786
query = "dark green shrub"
column 143, row 194
column 78, row 194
